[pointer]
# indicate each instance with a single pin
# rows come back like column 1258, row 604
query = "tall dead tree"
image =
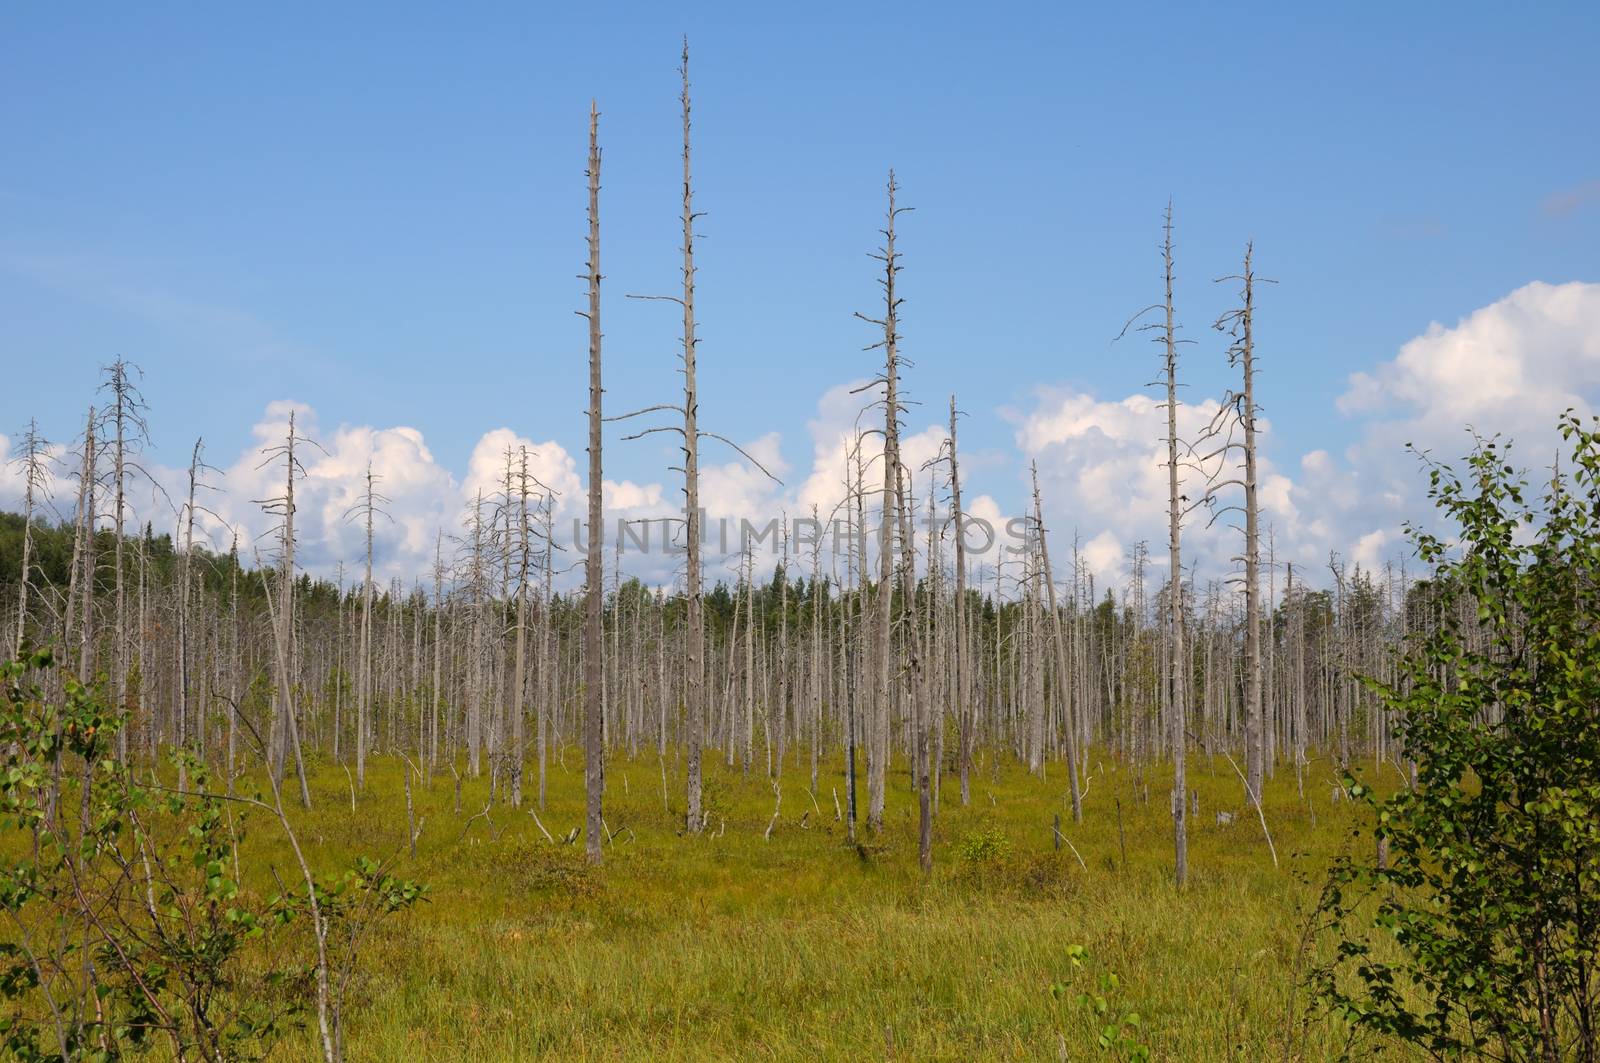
column 549, row 685
column 436, row 690
column 33, row 465
column 1060, row 645
column 594, row 567
column 1240, row 323
column 519, row 677
column 1178, row 659
column 125, row 416
column 694, row 620
column 878, row 726
column 963, row 710
column 368, row 509
column 694, row 651
column 284, row 733
column 197, row 467
column 83, row 554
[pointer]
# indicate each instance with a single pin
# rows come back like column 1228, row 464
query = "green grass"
column 729, row 946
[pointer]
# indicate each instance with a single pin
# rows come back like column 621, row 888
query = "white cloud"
column 1510, row 367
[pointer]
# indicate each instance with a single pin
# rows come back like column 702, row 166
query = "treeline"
column 784, row 660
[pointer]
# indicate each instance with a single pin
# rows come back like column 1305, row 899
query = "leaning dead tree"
column 594, row 568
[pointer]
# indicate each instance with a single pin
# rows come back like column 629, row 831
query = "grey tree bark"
column 594, row 568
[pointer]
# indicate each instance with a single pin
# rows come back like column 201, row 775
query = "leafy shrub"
column 1490, row 896
column 1116, row 1029
column 987, row 847
column 126, row 926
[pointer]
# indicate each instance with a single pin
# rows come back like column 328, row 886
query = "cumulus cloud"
column 1508, row 368
column 1103, row 477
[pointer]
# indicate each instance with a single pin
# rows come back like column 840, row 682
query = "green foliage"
column 127, row 927
column 1480, row 937
column 1116, row 1029
column 988, row 846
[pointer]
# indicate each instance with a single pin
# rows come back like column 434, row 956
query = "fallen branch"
column 1074, row 848
column 1257, row 802
column 535, row 814
column 484, row 815
column 776, row 808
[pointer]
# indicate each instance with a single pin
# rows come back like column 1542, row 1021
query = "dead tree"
column 1240, row 324
column 1060, row 648
column 284, row 735
column 694, row 620
column 33, row 464
column 82, row 579
column 963, row 710
column 197, row 467
column 436, row 692
column 594, row 568
column 368, row 509
column 916, row 680
column 125, row 417
column 1177, row 658
column 878, row 726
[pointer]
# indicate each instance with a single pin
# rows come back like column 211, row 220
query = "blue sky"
column 377, row 210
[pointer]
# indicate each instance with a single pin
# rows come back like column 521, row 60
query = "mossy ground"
column 734, row 946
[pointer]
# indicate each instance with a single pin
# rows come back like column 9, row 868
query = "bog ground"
column 733, row 946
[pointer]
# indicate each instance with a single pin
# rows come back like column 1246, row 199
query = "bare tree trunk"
column 964, row 712
column 364, row 665
column 1060, row 650
column 878, row 745
column 694, row 632
column 549, row 685
column 185, row 579
column 285, row 730
column 915, row 681
column 35, row 485
column 86, row 629
column 435, row 693
column 1178, row 660
column 519, row 677
column 594, row 569
column 1255, row 741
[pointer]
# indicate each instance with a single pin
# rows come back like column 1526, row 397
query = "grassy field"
column 733, row 946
